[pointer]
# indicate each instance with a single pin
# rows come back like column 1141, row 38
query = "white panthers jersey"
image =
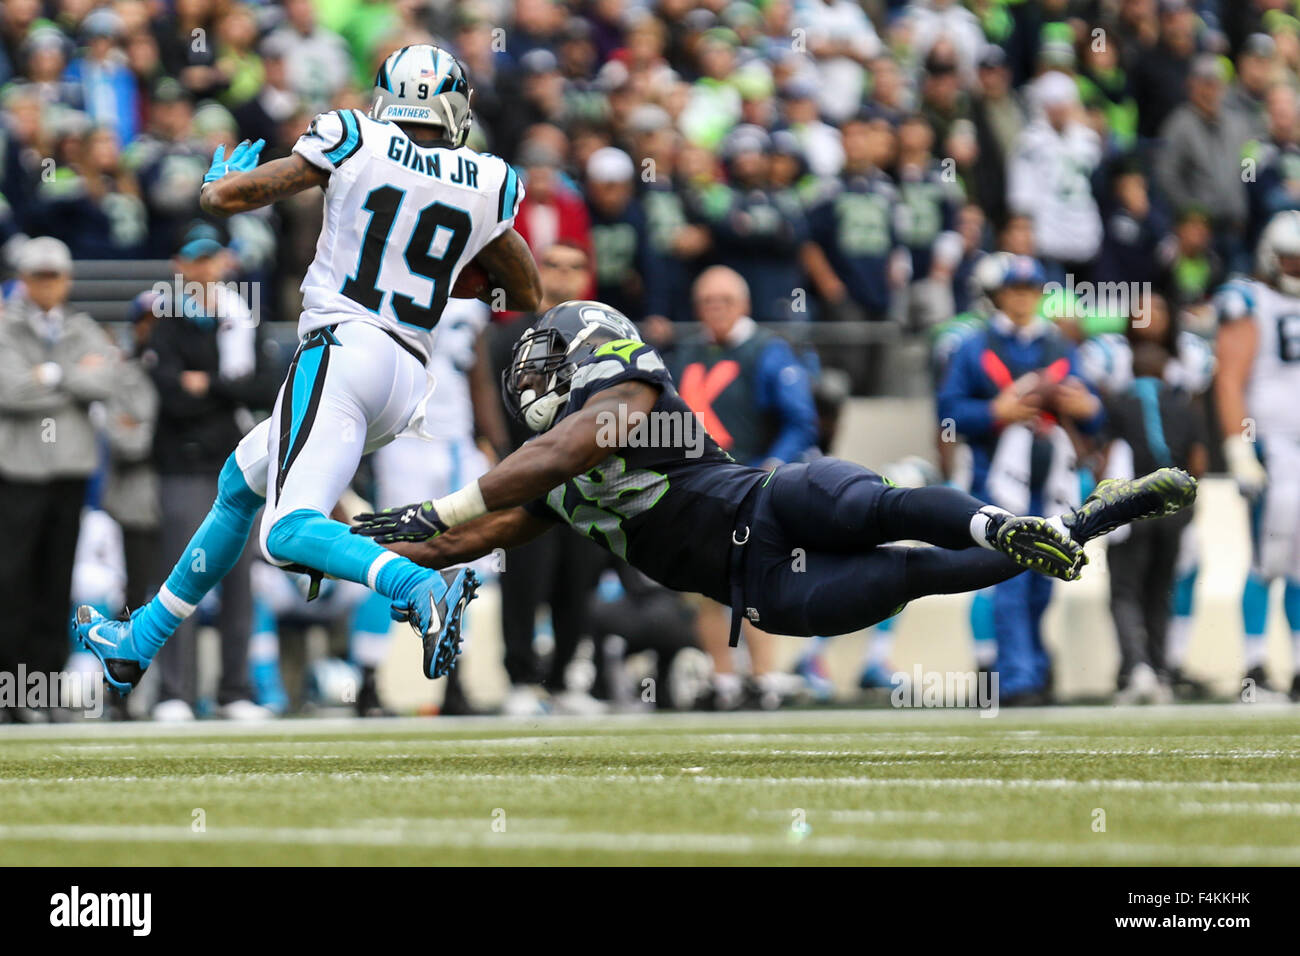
column 449, row 414
column 1271, row 393
column 400, row 222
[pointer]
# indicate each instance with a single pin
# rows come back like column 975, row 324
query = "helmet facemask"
column 536, row 383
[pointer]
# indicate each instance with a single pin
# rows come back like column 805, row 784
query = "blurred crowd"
column 920, row 169
column 851, row 160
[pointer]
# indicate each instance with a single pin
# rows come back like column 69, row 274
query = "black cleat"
column 1118, row 501
column 1037, row 545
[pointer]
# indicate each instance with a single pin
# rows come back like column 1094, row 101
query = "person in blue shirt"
column 1014, row 393
column 108, row 87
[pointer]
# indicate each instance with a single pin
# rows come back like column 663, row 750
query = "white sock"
column 1256, row 648
column 1177, row 638
column 979, row 524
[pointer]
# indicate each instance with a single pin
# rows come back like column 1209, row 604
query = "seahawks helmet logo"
column 617, row 324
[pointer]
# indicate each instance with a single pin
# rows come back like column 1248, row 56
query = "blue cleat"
column 112, row 643
column 437, row 620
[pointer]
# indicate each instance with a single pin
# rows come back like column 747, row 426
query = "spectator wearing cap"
column 820, row 142
column 1011, row 390
column 54, row 362
column 107, row 87
column 202, row 358
column 842, row 41
column 1160, row 71
column 1256, row 74
column 620, row 235
column 758, row 230
column 1199, row 162
column 550, row 210
column 93, row 204
column 1048, row 178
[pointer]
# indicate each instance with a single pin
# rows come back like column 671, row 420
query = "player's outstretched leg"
column 1118, row 501
column 126, row 648
column 834, row 505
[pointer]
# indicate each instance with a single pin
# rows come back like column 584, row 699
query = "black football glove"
column 417, row 522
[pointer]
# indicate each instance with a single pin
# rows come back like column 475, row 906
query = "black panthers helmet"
column 536, row 383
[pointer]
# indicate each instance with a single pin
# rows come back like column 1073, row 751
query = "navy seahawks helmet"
column 536, row 383
column 426, row 85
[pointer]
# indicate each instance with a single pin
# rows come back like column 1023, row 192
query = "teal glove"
column 242, row 158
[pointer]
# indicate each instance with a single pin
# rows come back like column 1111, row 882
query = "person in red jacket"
column 550, row 210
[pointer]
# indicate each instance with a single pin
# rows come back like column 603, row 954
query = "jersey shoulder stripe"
column 350, row 140
column 508, row 196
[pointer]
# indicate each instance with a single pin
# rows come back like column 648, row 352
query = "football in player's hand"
column 471, row 282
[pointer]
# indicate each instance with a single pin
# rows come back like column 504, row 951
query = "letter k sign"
column 700, row 388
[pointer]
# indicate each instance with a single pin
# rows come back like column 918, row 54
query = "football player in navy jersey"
column 803, row 549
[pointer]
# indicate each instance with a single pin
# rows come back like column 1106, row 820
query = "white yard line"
column 1101, row 850
column 689, row 775
column 887, row 720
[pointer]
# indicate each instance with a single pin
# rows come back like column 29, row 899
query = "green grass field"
column 1184, row 785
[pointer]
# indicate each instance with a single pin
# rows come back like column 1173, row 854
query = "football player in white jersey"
column 407, row 206
column 1257, row 391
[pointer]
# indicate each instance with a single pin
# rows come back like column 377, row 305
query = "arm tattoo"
column 262, row 186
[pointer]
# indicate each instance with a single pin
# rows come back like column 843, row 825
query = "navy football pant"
column 819, row 559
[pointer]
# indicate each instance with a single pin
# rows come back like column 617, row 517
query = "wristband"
column 460, row 506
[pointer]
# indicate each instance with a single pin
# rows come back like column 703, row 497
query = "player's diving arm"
column 576, row 445
column 570, row 448
column 467, row 542
column 260, row 186
column 510, row 266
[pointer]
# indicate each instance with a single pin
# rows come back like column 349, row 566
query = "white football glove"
column 1245, row 467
